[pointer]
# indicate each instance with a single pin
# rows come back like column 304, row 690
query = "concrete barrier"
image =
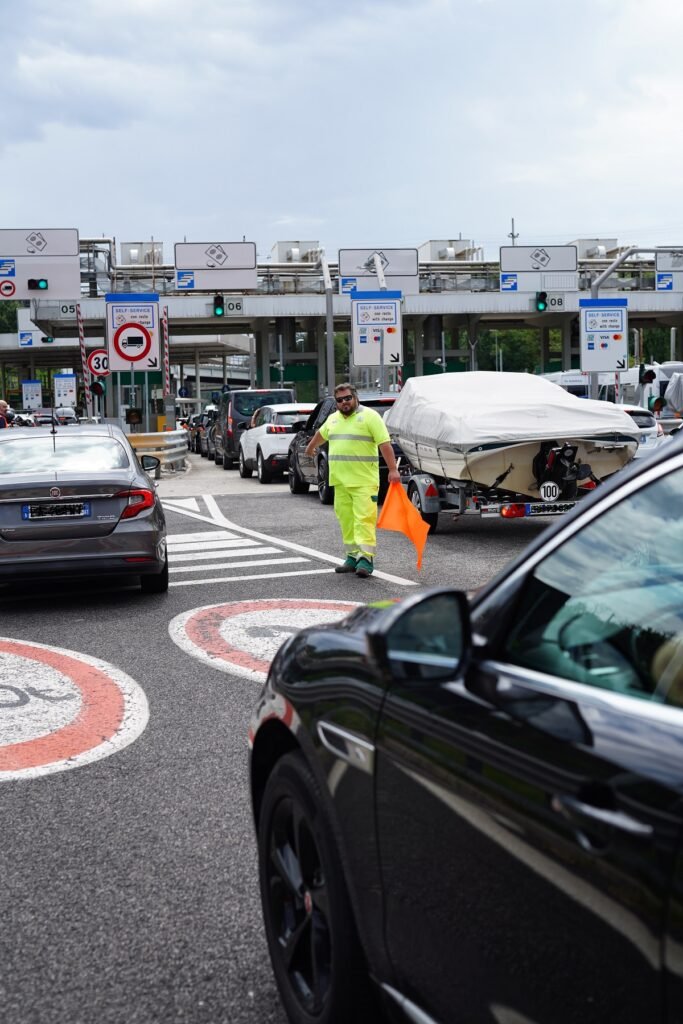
column 170, row 447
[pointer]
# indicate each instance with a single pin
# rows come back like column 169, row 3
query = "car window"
column 287, row 418
column 327, row 407
column 606, row 608
column 247, row 402
column 45, row 454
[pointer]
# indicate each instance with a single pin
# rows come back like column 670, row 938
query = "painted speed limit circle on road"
column 61, row 709
column 242, row 637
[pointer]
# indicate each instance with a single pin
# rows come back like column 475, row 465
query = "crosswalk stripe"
column 184, row 538
column 216, row 545
column 233, row 565
column 205, row 556
column 253, row 576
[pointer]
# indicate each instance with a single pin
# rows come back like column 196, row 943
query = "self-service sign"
column 376, row 328
column 604, row 334
column 133, row 332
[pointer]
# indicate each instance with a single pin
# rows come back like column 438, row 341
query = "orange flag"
column 398, row 513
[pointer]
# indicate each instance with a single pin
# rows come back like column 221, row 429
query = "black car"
column 303, row 470
column 474, row 809
column 235, row 410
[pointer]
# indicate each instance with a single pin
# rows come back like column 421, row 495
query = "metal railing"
column 170, row 447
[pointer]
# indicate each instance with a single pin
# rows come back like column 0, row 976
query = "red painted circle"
column 7, row 288
column 112, row 712
column 92, row 355
column 129, row 356
column 212, row 633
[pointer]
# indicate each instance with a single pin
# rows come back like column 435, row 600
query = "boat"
column 510, row 433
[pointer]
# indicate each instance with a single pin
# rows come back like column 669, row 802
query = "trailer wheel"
column 430, row 518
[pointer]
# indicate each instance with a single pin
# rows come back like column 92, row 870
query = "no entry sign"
column 60, row 709
column 242, row 637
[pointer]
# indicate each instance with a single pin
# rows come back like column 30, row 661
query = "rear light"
column 431, row 492
column 513, row 511
column 229, row 428
column 138, row 501
column 273, row 429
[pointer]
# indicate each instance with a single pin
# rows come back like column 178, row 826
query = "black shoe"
column 348, row 566
column 364, row 568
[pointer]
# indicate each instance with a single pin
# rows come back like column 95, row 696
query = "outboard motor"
column 556, row 463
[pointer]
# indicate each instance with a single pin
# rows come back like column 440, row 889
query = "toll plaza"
column 220, row 316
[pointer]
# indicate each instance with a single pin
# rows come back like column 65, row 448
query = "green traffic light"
column 541, row 301
column 42, row 283
column 218, row 305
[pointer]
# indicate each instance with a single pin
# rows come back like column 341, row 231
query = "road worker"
column 354, row 433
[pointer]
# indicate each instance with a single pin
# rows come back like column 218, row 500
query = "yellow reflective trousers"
column 356, row 510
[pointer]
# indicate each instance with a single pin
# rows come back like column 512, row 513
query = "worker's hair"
column 346, row 387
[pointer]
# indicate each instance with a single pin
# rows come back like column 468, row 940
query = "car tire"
column 156, row 584
column 296, row 484
column 227, row 461
column 431, row 518
column 325, row 981
column 245, row 472
column 325, row 492
column 263, row 473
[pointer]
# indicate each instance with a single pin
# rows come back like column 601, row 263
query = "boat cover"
column 465, row 410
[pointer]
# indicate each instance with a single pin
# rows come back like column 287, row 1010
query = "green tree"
column 520, row 349
column 8, row 317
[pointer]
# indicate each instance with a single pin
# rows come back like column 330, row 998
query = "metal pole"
column 329, row 323
column 672, row 344
column 282, row 361
column 145, row 384
column 634, row 332
column 443, row 351
column 381, row 280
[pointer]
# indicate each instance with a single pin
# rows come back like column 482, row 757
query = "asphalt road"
column 129, row 883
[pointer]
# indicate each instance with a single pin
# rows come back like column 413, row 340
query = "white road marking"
column 198, row 556
column 235, row 565
column 255, row 576
column 218, row 517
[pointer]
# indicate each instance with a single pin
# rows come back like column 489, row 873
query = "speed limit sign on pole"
column 98, row 362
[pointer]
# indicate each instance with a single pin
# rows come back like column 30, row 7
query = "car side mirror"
column 427, row 637
column 150, row 462
column 297, row 426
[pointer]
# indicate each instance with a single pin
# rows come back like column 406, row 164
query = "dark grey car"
column 77, row 502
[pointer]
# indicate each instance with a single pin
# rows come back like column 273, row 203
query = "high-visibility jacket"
column 353, row 441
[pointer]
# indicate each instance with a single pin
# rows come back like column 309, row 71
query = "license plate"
column 65, row 510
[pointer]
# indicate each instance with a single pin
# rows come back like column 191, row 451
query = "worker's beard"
column 347, row 412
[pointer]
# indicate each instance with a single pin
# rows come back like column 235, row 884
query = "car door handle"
column 571, row 808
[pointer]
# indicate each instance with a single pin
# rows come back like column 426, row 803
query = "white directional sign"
column 98, row 362
column 357, row 270
column 604, row 334
column 133, row 332
column 376, row 328
column 548, row 259
column 38, row 264
column 215, row 266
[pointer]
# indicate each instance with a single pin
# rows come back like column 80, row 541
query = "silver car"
column 77, row 502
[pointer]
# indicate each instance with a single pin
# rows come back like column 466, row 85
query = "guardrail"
column 170, row 447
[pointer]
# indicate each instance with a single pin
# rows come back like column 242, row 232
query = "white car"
column 264, row 445
column 650, row 429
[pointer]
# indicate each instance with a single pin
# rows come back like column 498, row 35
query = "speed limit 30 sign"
column 98, row 362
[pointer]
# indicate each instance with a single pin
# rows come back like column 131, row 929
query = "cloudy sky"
column 363, row 123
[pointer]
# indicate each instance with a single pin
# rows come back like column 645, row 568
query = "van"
column 235, row 410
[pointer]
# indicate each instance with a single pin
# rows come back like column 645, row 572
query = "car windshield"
column 247, row 402
column 48, row 453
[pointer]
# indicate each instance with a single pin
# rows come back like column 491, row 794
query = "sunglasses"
column 343, row 398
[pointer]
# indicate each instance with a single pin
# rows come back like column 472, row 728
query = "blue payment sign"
column 184, row 280
column 604, row 334
column 508, row 282
column 8, row 268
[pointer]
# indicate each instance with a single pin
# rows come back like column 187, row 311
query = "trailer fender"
column 428, row 490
